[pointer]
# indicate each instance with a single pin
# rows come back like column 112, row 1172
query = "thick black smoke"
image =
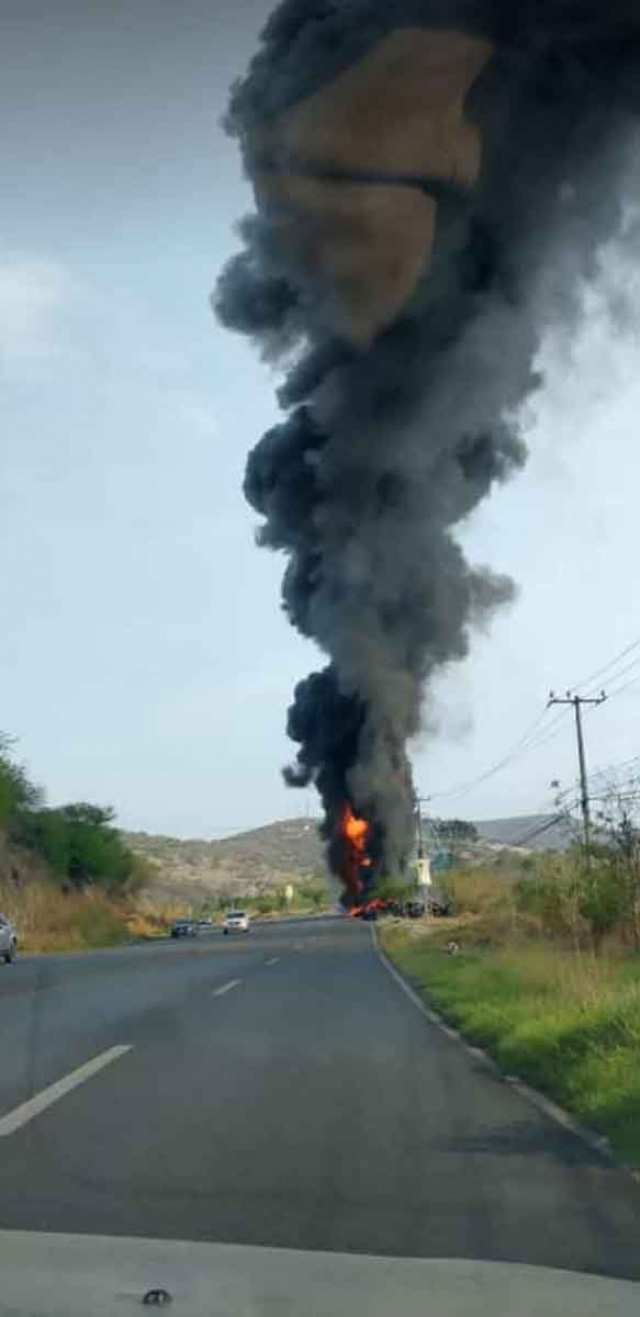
column 386, row 450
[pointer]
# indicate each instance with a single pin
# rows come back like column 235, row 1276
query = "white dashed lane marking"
column 226, row 987
column 14, row 1120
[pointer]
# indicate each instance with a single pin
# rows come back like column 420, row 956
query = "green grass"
column 567, row 1023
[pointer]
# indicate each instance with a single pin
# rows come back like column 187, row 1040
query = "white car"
column 8, row 940
column 237, row 921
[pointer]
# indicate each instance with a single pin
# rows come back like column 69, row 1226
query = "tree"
column 619, row 823
column 96, row 851
column 549, row 891
column 77, row 841
column 601, row 900
column 80, row 845
column 17, row 792
column 455, row 829
column 45, row 832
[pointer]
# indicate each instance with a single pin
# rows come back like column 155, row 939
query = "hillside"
column 532, row 832
column 290, row 850
column 245, row 864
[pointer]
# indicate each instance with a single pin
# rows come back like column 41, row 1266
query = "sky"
column 146, row 661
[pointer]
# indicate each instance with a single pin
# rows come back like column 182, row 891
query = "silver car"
column 8, row 940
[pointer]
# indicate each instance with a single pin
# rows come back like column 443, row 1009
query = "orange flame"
column 374, row 904
column 355, row 833
column 355, row 829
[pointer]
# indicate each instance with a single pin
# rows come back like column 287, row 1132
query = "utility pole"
column 422, row 867
column 577, row 701
column 418, row 801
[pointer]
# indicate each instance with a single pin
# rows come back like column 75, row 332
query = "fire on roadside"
column 376, row 903
column 354, row 834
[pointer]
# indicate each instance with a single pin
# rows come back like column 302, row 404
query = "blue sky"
column 146, row 662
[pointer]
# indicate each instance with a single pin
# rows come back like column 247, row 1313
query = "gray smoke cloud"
column 387, row 447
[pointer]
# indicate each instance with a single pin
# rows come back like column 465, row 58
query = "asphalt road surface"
column 279, row 1089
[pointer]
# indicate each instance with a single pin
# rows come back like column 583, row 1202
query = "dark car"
column 183, row 928
column 435, row 903
column 440, row 905
column 394, row 908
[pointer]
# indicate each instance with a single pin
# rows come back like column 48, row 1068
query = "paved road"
column 281, row 1090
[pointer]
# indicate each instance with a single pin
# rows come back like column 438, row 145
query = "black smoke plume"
column 387, row 446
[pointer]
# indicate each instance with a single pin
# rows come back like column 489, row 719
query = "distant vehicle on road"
column 8, row 940
column 236, row 921
column 183, row 928
column 205, row 923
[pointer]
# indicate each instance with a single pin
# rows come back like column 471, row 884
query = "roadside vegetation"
column 546, row 977
column 69, row 881
column 66, row 878
column 295, row 898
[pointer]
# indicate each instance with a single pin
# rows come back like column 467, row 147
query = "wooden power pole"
column 577, row 701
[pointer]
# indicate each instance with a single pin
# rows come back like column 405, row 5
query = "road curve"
column 280, row 1090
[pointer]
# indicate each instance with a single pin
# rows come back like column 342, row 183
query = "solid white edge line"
column 226, row 987
column 598, row 1142
column 14, row 1120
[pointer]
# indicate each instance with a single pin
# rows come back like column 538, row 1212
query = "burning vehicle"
column 433, row 180
column 360, row 899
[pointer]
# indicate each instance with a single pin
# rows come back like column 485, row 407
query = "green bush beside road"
column 562, row 1019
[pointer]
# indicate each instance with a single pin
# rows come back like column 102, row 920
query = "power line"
column 619, row 795
column 530, row 741
column 568, row 798
column 622, row 672
column 621, row 689
column 555, row 726
column 586, row 681
column 539, row 830
column 520, row 748
column 613, row 768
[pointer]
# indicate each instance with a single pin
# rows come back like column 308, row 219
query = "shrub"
column 16, row 791
column 79, row 844
column 478, row 891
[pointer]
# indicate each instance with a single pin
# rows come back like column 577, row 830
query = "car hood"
column 47, row 1275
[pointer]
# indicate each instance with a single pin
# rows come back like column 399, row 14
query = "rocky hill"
column 242, row 865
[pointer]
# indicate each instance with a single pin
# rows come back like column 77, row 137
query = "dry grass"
column 48, row 919
column 146, row 918
column 477, row 891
